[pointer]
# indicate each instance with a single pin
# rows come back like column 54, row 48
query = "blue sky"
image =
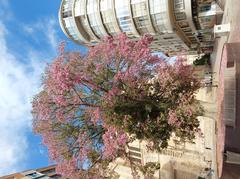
column 29, row 34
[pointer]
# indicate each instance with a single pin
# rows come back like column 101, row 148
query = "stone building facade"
column 178, row 161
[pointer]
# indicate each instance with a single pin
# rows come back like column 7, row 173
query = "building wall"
column 174, row 24
column 13, row 176
column 43, row 173
column 87, row 21
column 178, row 161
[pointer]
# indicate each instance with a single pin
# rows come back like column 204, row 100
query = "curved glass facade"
column 124, row 16
column 68, row 21
column 81, row 19
column 141, row 16
column 72, row 29
column 67, row 8
column 160, row 15
column 99, row 18
column 95, row 19
column 108, row 16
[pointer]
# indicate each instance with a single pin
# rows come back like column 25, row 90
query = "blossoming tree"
column 93, row 105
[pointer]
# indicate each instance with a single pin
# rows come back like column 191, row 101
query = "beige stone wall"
column 186, row 159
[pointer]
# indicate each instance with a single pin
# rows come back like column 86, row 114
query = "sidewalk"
column 219, row 60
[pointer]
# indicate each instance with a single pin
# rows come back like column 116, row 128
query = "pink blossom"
column 172, row 119
column 79, row 105
column 114, row 140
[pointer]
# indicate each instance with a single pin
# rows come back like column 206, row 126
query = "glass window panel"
column 106, row 5
column 123, row 15
column 180, row 16
column 139, row 8
column 67, row 5
column 72, row 29
column 94, row 18
column 108, row 16
column 160, row 16
column 178, row 4
column 79, row 7
column 67, row 14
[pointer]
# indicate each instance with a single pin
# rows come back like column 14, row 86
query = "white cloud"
column 46, row 26
column 28, row 29
column 18, row 83
column 15, row 90
column 4, row 13
column 51, row 33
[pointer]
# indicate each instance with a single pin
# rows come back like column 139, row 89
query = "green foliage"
column 146, row 117
column 149, row 168
column 204, row 60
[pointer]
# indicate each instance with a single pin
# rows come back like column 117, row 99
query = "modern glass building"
column 170, row 22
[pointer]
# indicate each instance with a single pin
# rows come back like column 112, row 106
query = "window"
column 123, row 16
column 183, row 24
column 94, row 18
column 167, row 38
column 67, row 5
column 106, row 8
column 34, row 175
column 139, row 8
column 79, row 8
column 134, row 148
column 160, row 16
column 180, row 16
column 135, row 154
column 205, row 8
column 178, row 5
column 71, row 28
column 67, row 14
column 206, row 19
